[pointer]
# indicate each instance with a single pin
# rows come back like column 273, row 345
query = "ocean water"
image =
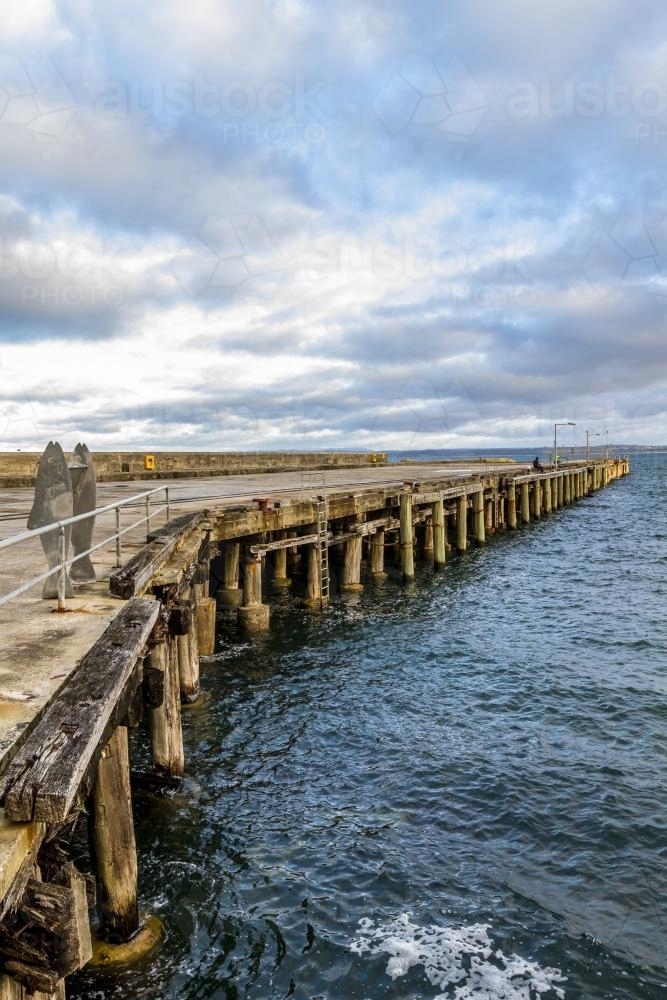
column 454, row 789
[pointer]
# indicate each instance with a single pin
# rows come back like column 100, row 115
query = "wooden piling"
column 294, row 559
column 560, row 492
column 280, row 578
column 200, row 580
column 478, row 517
column 165, row 720
column 525, row 503
column 462, row 523
column 489, row 519
column 377, row 555
column 206, row 625
column 188, row 657
column 406, row 544
column 427, row 546
column 252, row 615
column 313, row 598
column 350, row 580
column 537, row 500
column 439, row 543
column 113, row 846
column 230, row 595
column 547, row 495
column 511, row 507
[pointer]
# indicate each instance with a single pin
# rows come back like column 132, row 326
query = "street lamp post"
column 588, row 450
column 563, row 423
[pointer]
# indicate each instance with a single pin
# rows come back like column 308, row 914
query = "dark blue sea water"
column 453, row 789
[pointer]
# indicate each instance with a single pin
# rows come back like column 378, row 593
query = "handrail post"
column 148, row 518
column 62, row 569
column 119, row 551
column 166, row 494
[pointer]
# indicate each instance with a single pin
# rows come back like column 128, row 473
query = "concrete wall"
column 19, row 468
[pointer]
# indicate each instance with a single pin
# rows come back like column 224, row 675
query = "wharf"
column 143, row 625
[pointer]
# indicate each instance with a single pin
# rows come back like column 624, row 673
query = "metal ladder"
column 316, row 482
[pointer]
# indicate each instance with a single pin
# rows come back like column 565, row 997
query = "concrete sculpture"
column 53, row 502
column 84, row 489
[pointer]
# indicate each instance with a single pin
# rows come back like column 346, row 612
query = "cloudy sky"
column 369, row 224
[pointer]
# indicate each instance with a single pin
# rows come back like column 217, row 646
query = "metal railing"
column 60, row 527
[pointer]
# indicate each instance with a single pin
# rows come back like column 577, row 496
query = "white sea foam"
column 461, row 961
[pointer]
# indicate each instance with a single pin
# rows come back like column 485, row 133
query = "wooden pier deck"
column 46, row 647
column 243, row 523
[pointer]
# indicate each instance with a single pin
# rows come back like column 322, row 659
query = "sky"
column 361, row 224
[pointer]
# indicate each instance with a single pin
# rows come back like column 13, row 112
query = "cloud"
column 252, row 230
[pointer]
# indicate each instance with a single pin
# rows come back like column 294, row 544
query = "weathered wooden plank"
column 33, row 979
column 182, row 561
column 78, row 948
column 18, row 851
column 48, row 936
column 138, row 572
column 283, row 543
column 44, row 777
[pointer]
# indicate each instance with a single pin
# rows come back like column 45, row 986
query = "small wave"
column 462, row 959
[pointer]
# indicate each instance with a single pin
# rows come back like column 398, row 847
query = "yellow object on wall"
column 149, row 463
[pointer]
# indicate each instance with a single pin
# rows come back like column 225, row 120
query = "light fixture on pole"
column 563, row 423
column 588, row 450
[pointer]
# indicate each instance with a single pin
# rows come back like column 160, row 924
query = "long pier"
column 126, row 649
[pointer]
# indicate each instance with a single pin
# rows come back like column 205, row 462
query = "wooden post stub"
column 180, row 618
column 165, row 718
column 113, row 846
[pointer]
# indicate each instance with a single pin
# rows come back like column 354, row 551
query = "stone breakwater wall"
column 20, row 468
